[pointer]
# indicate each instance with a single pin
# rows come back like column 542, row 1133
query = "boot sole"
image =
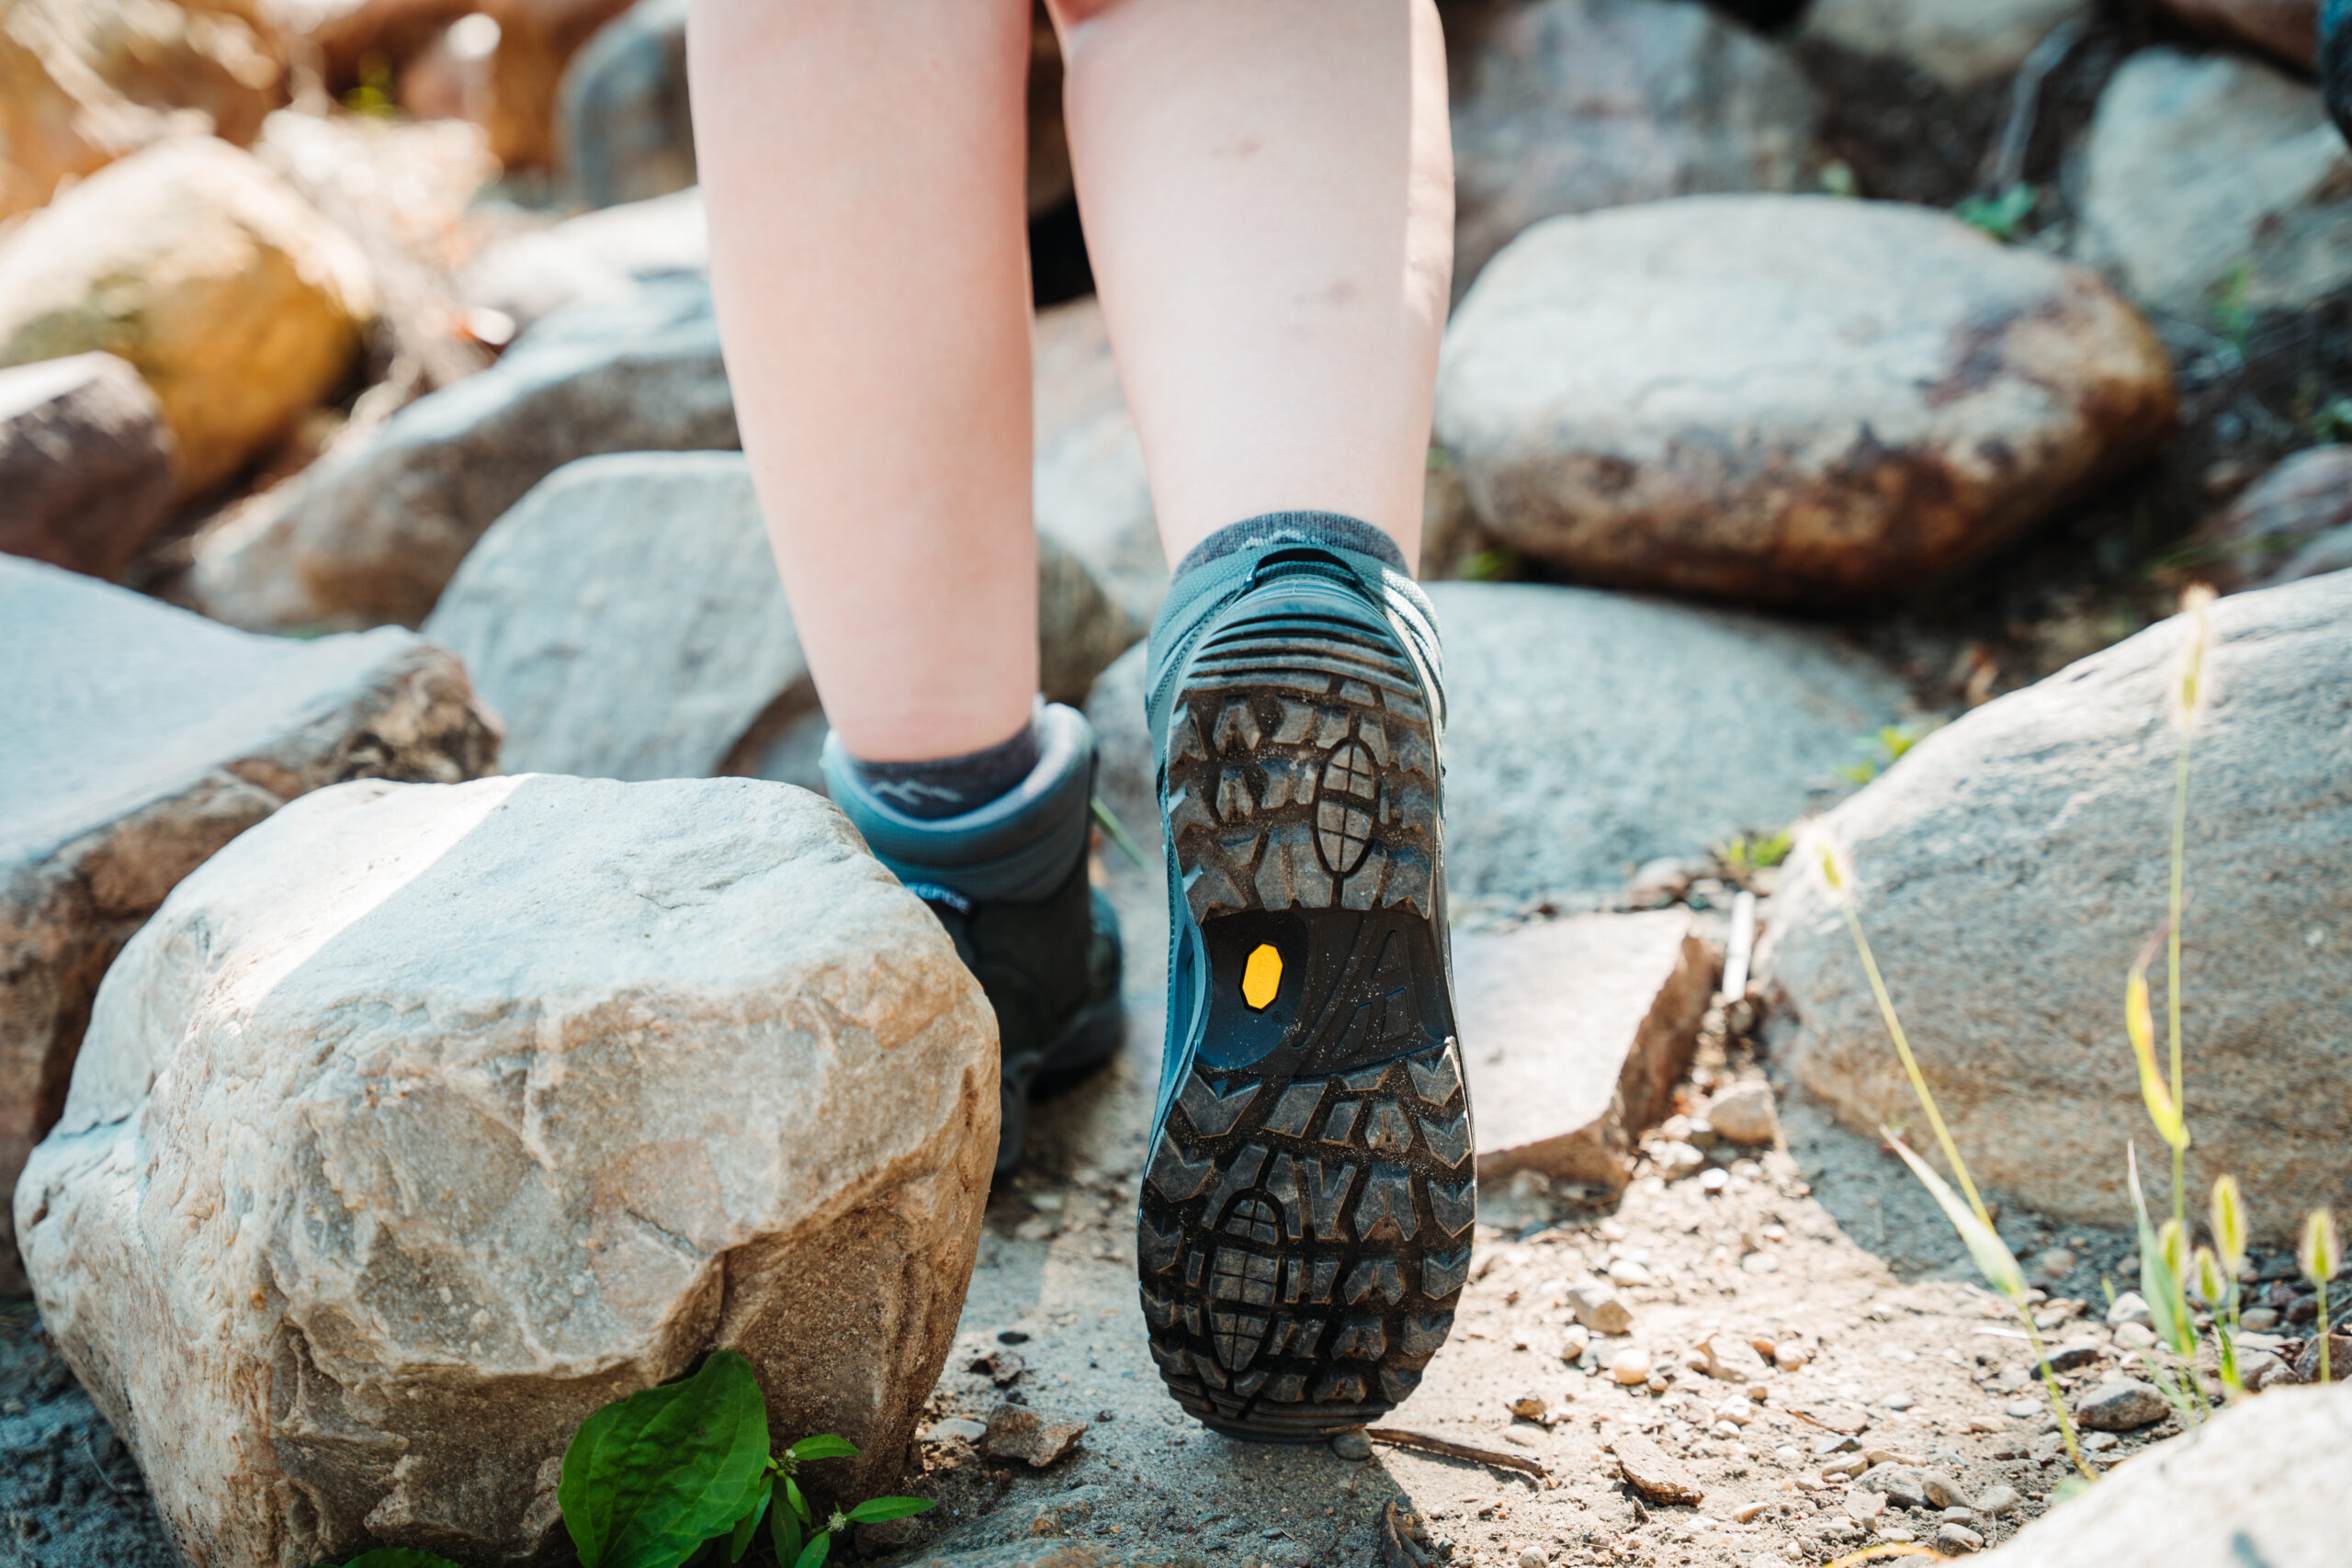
column 1307, row 1211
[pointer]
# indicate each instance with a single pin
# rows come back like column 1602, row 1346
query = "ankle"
column 952, row 786
column 1329, row 529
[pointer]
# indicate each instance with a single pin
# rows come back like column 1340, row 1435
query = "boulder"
column 1964, row 45
column 624, row 133
column 625, row 621
column 47, row 135
column 2296, row 522
column 1582, row 1027
column 240, row 305
column 1570, row 105
column 2288, row 30
column 2262, row 1481
column 1786, row 399
column 2213, row 180
column 374, row 1180
column 142, row 739
column 537, row 39
column 2012, row 865
column 85, row 461
column 1588, row 733
column 1091, row 496
column 373, row 533
column 596, row 257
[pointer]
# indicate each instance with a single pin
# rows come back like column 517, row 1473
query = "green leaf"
column 784, row 1529
column 824, row 1447
column 646, row 1481
column 741, row 1542
column 874, row 1510
column 2072, row 1486
column 2159, row 1286
column 813, row 1554
column 792, row 1496
column 395, row 1557
column 1994, row 1258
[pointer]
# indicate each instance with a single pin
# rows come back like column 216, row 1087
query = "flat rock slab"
column 2200, row 166
column 452, row 1112
column 1783, row 400
column 2264, row 1482
column 373, row 534
column 1574, row 1033
column 1589, row 733
column 1961, row 46
column 1648, row 1470
column 142, row 739
column 86, row 463
column 2012, row 865
column 1571, row 106
column 625, row 621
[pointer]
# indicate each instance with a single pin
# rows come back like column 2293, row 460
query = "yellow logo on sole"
column 1263, row 976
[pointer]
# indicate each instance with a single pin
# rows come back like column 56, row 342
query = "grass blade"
column 1992, row 1254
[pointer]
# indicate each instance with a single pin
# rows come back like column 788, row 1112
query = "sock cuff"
column 952, row 786
column 1332, row 529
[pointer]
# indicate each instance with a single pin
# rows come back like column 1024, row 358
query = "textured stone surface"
column 1746, row 1114
column 2296, row 522
column 1961, row 43
column 142, row 739
column 375, row 1180
column 2012, row 865
column 2120, row 1405
column 1648, row 1470
column 86, row 463
column 1569, row 105
column 240, row 305
column 373, row 534
column 1577, row 1029
column 1589, row 733
column 625, row 621
column 2200, row 166
column 623, row 131
column 1786, row 399
column 2264, row 1482
column 598, row 256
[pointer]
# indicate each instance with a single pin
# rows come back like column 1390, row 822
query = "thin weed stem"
column 2326, row 1333
column 2057, row 1396
column 2172, row 971
column 1910, row 1063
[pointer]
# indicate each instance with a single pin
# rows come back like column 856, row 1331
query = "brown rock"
column 1570, row 106
column 86, row 463
column 358, row 1122
column 1017, row 1432
column 536, row 39
column 1648, row 1470
column 47, row 135
column 240, row 306
column 1784, row 398
column 147, row 739
column 2295, row 522
column 1582, row 1025
column 2339, row 1358
column 2287, row 29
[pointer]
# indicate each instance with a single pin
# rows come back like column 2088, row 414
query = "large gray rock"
column 625, row 621
column 425, row 1119
column 596, row 257
column 374, row 533
column 1570, row 105
column 1961, row 43
column 1588, row 733
column 86, row 463
column 623, row 131
column 1786, row 399
column 2013, row 864
column 2264, row 1482
column 141, row 740
column 2296, row 522
column 2212, row 179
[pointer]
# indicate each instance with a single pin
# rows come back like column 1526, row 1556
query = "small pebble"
column 1353, row 1445
column 1630, row 1366
column 1520, row 1435
column 2258, row 1318
column 1531, row 1405
column 1573, row 1339
column 1790, row 1356
column 1958, row 1537
column 1761, row 1263
column 1625, row 1272
column 1898, row 1402
column 1714, row 1179
column 1749, row 1511
column 1998, row 1500
column 1530, row 1558
column 2135, row 1336
column 2023, row 1409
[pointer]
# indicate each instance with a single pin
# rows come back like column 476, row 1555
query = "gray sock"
column 1295, row 528
column 950, row 786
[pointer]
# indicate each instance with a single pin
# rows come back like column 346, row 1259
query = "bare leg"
column 864, row 163
column 1269, row 202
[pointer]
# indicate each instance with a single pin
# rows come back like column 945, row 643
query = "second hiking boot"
column 1308, row 1190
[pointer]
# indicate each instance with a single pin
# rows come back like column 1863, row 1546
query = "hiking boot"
column 1009, row 881
column 2335, row 62
column 1308, row 1192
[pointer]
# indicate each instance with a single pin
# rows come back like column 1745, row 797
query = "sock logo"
column 912, row 791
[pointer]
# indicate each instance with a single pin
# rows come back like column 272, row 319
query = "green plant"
column 1971, row 1219
column 1999, row 216
column 2232, row 309
column 1743, row 856
column 1495, row 563
column 682, row 1474
column 1885, row 748
column 2332, row 421
column 2319, row 1257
